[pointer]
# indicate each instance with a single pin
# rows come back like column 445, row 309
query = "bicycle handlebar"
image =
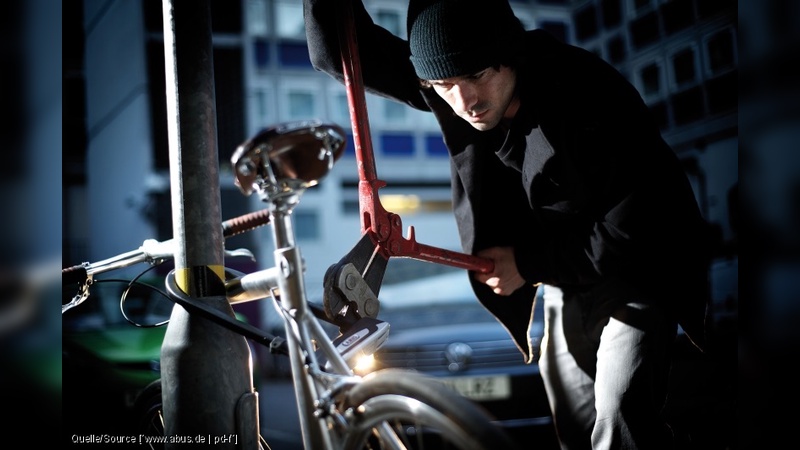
column 244, row 223
column 152, row 251
column 74, row 274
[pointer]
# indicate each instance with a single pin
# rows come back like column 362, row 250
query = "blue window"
column 350, row 146
column 261, row 53
column 300, row 105
column 434, row 145
column 293, row 54
column 397, row 144
column 306, row 224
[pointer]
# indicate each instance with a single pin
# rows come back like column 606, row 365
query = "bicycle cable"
column 131, row 284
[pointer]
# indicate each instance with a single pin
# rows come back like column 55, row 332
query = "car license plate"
column 481, row 388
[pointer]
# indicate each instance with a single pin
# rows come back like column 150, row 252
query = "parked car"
column 439, row 328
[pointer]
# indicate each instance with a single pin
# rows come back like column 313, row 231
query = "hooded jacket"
column 581, row 184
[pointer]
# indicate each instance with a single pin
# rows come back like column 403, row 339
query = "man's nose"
column 465, row 96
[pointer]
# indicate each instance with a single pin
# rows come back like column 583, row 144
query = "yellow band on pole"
column 183, row 277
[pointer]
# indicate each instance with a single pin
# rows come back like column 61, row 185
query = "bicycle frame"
column 262, row 164
column 315, row 388
column 337, row 408
column 320, row 367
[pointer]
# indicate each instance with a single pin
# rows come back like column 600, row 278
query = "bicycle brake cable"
column 135, row 281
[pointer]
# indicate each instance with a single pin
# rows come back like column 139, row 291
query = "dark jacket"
column 582, row 184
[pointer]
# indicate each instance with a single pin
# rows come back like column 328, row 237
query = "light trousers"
column 605, row 363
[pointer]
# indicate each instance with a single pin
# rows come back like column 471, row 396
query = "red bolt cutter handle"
column 384, row 227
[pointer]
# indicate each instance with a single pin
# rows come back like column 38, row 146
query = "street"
column 701, row 408
column 280, row 425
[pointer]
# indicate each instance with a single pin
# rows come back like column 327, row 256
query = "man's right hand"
column 505, row 278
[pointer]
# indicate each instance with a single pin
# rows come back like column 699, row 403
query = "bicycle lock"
column 205, row 369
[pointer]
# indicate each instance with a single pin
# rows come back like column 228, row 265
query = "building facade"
column 680, row 54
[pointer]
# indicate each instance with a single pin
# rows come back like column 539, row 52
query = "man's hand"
column 505, row 277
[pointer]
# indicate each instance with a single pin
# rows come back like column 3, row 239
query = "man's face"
column 483, row 99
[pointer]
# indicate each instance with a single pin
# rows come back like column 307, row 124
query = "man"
column 559, row 175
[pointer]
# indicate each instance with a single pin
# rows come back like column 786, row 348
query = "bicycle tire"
column 147, row 413
column 422, row 413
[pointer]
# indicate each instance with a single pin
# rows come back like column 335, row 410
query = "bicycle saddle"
column 287, row 156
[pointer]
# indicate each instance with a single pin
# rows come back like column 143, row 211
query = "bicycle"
column 338, row 409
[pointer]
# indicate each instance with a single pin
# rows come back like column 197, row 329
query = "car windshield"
column 432, row 300
column 436, row 300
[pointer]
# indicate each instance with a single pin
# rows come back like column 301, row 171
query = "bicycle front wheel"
column 398, row 409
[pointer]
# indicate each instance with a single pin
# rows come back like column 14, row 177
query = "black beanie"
column 450, row 38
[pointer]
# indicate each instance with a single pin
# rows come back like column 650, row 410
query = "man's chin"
column 483, row 123
column 482, row 126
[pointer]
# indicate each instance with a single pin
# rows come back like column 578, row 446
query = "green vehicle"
column 108, row 361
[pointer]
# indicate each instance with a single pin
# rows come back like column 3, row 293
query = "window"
column 394, row 112
column 644, row 30
column 301, row 105
column 404, row 196
column 611, row 13
column 229, row 92
column 683, row 67
column 721, row 53
column 616, row 49
column 397, row 144
column 650, row 80
column 677, row 15
column 350, row 146
column 585, row 21
column 339, row 110
column 261, row 108
column 298, row 99
column 434, row 145
column 257, row 18
column 339, row 113
column 294, row 54
column 640, row 6
column 306, row 224
column 289, row 19
column 261, row 53
column 556, row 28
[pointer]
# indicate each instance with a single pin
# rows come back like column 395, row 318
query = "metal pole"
column 207, row 385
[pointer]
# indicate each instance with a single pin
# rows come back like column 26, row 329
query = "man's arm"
column 385, row 65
